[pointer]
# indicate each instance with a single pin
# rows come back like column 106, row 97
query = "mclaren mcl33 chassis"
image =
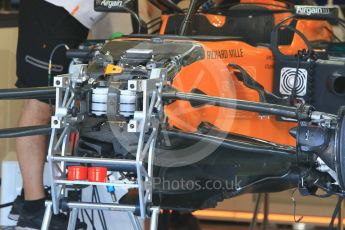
column 194, row 120
column 117, row 103
column 127, row 94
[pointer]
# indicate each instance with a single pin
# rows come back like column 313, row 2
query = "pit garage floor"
column 219, row 225
column 222, row 225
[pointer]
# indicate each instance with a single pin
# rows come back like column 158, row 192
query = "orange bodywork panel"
column 213, row 77
column 312, row 29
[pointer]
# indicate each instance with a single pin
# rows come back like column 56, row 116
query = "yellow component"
column 112, row 69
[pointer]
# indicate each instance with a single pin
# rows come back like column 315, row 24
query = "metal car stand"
column 265, row 201
column 143, row 122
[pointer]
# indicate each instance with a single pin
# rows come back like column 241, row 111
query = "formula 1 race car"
column 233, row 99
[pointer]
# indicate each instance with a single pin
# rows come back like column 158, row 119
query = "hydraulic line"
column 28, row 93
column 25, row 131
column 259, row 107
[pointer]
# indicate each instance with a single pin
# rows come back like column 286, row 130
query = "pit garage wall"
column 9, row 110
